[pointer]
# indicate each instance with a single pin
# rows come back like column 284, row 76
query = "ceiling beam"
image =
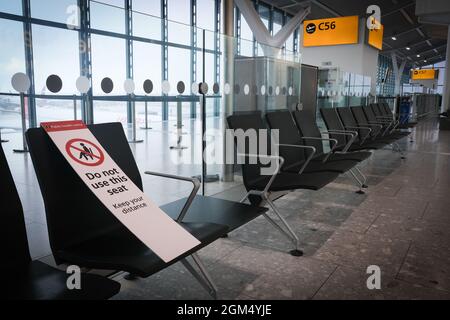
column 431, row 49
column 409, row 45
column 294, row 4
column 397, row 8
column 326, row 8
column 412, row 28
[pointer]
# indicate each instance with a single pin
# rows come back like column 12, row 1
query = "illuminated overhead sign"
column 423, row 74
column 329, row 32
column 375, row 37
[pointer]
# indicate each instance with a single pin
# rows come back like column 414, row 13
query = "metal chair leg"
column 363, row 176
column 202, row 275
column 289, row 233
column 360, row 184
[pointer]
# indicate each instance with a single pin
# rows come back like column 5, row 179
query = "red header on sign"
column 63, row 125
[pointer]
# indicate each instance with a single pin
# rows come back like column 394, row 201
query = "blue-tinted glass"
column 152, row 7
column 11, row 6
column 179, row 31
column 64, row 11
column 108, row 60
column 107, row 17
column 55, row 51
column 147, row 65
column 12, row 58
column 146, row 26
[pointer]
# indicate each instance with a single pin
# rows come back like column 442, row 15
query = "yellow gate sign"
column 329, row 32
column 423, row 74
column 375, row 38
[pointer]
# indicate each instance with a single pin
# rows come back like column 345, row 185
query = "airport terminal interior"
column 225, row 149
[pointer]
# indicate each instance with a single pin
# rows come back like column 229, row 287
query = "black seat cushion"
column 118, row 250
column 319, row 166
column 357, row 156
column 286, row 181
column 39, row 281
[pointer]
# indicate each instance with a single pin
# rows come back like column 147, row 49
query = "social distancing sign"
column 117, row 192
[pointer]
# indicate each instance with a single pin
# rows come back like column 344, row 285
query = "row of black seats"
column 302, row 161
column 84, row 233
column 369, row 128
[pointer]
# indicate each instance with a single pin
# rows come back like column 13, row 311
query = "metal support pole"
column 129, row 53
column 133, row 121
column 179, row 125
column 24, row 125
column 74, row 107
column 164, row 55
column 228, row 100
column 29, row 62
column 84, row 37
column 146, row 117
column 446, row 92
column 193, row 52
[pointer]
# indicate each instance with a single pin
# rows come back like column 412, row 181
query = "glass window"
column 179, row 14
column 152, row 7
column 147, row 65
column 108, row 52
column 246, row 38
column 13, row 59
column 146, row 26
column 64, row 11
column 55, row 51
column 109, row 17
column 179, row 68
column 110, row 111
column 205, row 14
column 246, row 32
column 277, row 21
column 11, row 6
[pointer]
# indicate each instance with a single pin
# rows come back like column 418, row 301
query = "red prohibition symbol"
column 84, row 152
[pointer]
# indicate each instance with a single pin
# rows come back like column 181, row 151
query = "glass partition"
column 172, row 112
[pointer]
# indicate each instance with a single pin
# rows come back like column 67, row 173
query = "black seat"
column 292, row 156
column 24, row 279
column 308, row 127
column 87, row 234
column 289, row 134
column 259, row 186
column 389, row 134
column 347, row 137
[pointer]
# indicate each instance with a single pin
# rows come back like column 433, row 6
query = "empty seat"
column 260, row 186
column 24, row 279
column 308, row 127
column 290, row 135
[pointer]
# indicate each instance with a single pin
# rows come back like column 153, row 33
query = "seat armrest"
column 190, row 199
column 301, row 147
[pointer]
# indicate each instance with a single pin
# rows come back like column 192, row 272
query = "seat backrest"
column 288, row 134
column 250, row 172
column 387, row 109
column 370, row 115
column 376, row 109
column 13, row 235
column 360, row 116
column 306, row 123
column 332, row 121
column 74, row 213
column 349, row 121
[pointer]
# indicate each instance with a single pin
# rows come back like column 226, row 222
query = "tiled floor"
column 401, row 225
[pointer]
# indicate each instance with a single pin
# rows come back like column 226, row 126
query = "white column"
column 446, row 92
